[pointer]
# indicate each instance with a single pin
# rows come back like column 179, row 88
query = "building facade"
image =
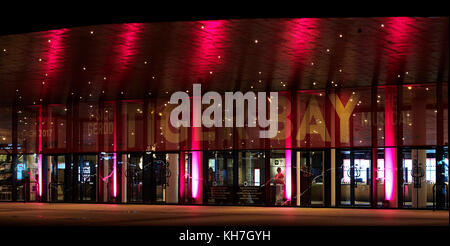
column 362, row 113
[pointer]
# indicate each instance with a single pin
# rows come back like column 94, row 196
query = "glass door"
column 220, row 177
column 277, row 184
column 251, row 177
column 425, row 177
column 87, row 177
column 162, row 177
column 6, row 177
column 355, row 177
column 159, row 171
column 56, row 167
column 107, row 181
column 187, row 179
column 27, row 178
column 312, row 185
column 133, row 168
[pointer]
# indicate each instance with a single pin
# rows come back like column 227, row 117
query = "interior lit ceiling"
column 138, row 60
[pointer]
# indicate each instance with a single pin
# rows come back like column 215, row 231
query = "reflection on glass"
column 57, row 166
column 355, row 177
column 251, row 178
column 187, row 177
column 27, row 177
column 164, row 171
column 419, row 177
column 159, row 169
column 133, row 164
column 311, row 178
column 87, row 177
column 220, row 177
column 106, row 180
column 6, row 176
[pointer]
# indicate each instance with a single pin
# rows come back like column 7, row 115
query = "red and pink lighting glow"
column 40, row 151
column 390, row 158
column 288, row 178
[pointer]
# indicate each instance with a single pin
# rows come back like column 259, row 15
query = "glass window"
column 56, row 178
column 27, row 177
column 220, row 177
column 107, row 177
column 6, row 176
column 277, row 185
column 380, row 177
column 171, row 180
column 312, row 125
column 418, row 115
column 87, row 127
column 132, row 126
column 28, row 129
column 105, row 127
column 311, row 177
column 355, row 179
column 87, row 177
column 166, row 136
column 5, row 129
column 54, row 130
column 132, row 178
column 251, row 178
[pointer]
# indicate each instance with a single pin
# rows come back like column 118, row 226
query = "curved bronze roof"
column 135, row 60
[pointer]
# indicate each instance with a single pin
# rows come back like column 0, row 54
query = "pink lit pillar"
column 115, row 154
column 40, row 152
column 288, row 178
column 196, row 131
column 390, row 152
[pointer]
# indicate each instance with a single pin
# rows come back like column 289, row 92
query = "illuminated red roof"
column 225, row 55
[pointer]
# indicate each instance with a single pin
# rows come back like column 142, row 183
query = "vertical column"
column 182, row 177
column 14, row 136
column 39, row 152
column 298, row 177
column 75, row 142
column 352, row 178
column 327, row 178
column 419, row 190
column 102, row 160
column 390, row 155
column 117, row 111
column 124, row 181
column 196, row 131
column 121, row 124
column 374, row 138
column 288, row 152
column 68, row 171
column 333, row 177
column 440, row 154
column 441, row 190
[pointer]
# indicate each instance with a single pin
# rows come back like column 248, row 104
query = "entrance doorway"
column 220, row 184
column 186, row 180
column 58, row 178
column 27, row 178
column 355, row 175
column 161, row 170
column 251, row 178
column 86, row 173
column 311, row 177
column 425, row 177
column 132, row 178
